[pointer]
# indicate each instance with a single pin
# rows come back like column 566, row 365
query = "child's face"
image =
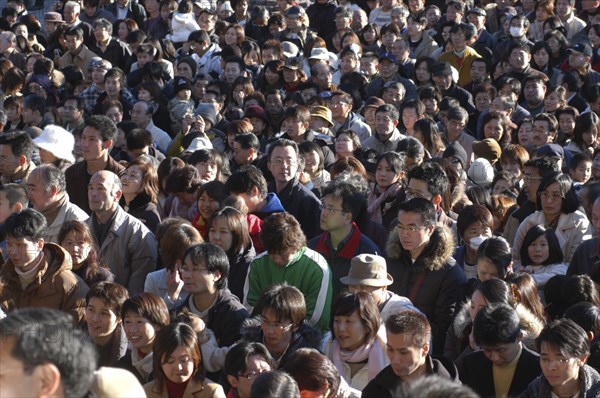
column 12, row 113
column 582, row 172
column 185, row 94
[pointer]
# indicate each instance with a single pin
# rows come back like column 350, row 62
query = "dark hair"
column 411, row 147
column 106, row 127
column 245, row 179
column 526, row 293
column 394, row 161
column 174, row 238
column 352, row 198
column 236, row 360
column 586, row 315
column 578, row 159
column 43, row 336
column 213, row 258
column 166, row 342
column 29, row 224
column 312, row 371
column 247, row 141
column 497, row 251
column 275, row 384
column 149, row 178
column 554, row 250
column 111, row 294
column 420, row 206
column 430, row 135
column 281, row 233
column 149, row 306
column 579, row 288
column 391, row 110
column 544, row 166
column 15, row 193
column 472, row 214
column 362, row 302
column 496, row 324
column 20, row 144
column 183, row 179
column 214, row 189
column 570, row 201
column 238, row 227
column 496, row 291
column 287, row 302
column 583, row 124
column 207, row 155
column 431, row 174
column 566, row 336
column 412, row 323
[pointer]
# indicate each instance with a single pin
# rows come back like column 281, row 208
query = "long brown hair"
column 149, row 179
column 81, row 229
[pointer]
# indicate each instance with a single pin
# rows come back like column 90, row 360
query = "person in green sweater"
column 287, row 259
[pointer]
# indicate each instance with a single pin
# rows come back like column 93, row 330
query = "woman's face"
column 541, row 58
column 369, row 115
column 478, row 301
column 13, row 114
column 552, row 200
column 349, row 331
column 311, row 160
column 220, row 234
column 131, row 180
column 139, row 331
column 290, row 75
column 258, row 125
column 47, row 157
column 486, row 269
column 144, row 95
column 231, row 37
column 500, row 187
column 552, row 102
column 77, row 247
column 388, row 39
column 271, row 77
column 123, row 31
column 238, row 94
column 594, row 38
column 554, row 45
column 251, row 58
column 179, row 366
column 589, row 137
column 482, row 101
column 208, row 170
column 344, row 145
column 538, row 250
column 541, row 14
column 207, row 205
column 511, row 166
column 277, row 331
column 100, row 318
column 525, row 135
column 384, row 175
column 184, row 70
column 422, row 73
column 493, row 129
column 558, row 369
column 370, row 36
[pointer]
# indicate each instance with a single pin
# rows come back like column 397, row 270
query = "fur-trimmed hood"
column 433, row 257
column 531, row 325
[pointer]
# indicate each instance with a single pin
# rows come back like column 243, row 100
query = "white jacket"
column 68, row 212
column 182, row 26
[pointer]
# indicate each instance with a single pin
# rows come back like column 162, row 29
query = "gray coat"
column 589, row 385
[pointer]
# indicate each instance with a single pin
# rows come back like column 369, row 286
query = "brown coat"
column 195, row 389
column 55, row 286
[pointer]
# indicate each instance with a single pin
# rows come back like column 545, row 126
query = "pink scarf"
column 375, row 202
column 372, row 352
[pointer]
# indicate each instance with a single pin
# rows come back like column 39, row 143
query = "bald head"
column 104, row 192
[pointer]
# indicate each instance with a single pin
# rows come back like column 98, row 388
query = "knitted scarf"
column 372, row 352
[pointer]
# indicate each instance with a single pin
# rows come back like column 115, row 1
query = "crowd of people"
column 344, row 198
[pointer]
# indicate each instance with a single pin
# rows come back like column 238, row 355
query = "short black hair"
column 36, row 103
column 106, row 127
column 138, row 139
column 47, row 336
column 236, row 359
column 433, row 175
column 352, row 198
column 496, row 324
column 566, row 336
column 420, row 206
column 497, row 250
column 29, row 224
column 20, row 143
column 213, row 258
column 544, row 166
column 245, row 179
column 247, row 141
column 555, row 254
column 586, row 315
column 570, row 202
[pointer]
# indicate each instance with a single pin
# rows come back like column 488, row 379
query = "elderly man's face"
column 103, row 194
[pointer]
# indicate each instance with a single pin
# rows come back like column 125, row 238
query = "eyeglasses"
column 274, row 326
column 530, row 179
column 410, row 228
column 252, row 375
column 552, row 196
column 330, row 209
column 558, row 362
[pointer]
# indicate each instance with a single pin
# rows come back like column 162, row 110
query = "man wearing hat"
column 477, row 16
column 388, row 72
column 97, row 68
column 296, row 31
column 341, row 239
column 442, row 77
column 77, row 53
column 320, row 120
column 580, row 56
column 368, row 273
column 462, row 55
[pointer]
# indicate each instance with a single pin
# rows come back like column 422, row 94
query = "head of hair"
column 363, row 303
column 105, row 126
column 29, row 224
column 15, row 193
column 236, row 360
column 496, row 291
column 586, row 122
column 20, row 144
column 526, row 293
column 586, row 315
column 570, row 200
column 245, row 179
column 183, row 179
column 313, row 371
column 411, row 323
column 238, row 227
column 111, row 294
column 471, row 215
column 496, row 324
column 83, row 233
column 281, row 234
column 275, row 384
column 176, row 239
column 497, row 250
column 213, row 258
column 287, row 302
column 147, row 305
column 433, row 175
column 565, row 336
column 555, row 253
column 420, row 206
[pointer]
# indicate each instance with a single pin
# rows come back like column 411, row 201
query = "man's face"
column 39, row 197
column 322, row 75
column 274, row 104
column 101, row 34
column 405, row 356
column 69, row 14
column 458, row 39
column 255, row 365
column 477, row 20
column 197, row 278
column 16, row 381
column 333, row 216
column 387, row 69
column 342, row 22
column 207, row 21
column 9, row 163
column 23, row 252
column 577, row 59
column 532, row 182
column 241, row 156
column 478, row 71
column 74, row 44
column 98, row 74
column 369, row 65
column 339, row 107
column 140, row 115
column 502, row 354
column 519, row 59
column 294, row 127
column 92, row 146
column 384, row 124
column 283, row 164
column 28, row 116
column 414, row 236
column 534, row 92
column 71, row 112
column 442, row 82
column 232, row 71
column 409, row 117
column 455, row 127
column 541, row 133
column 102, row 194
column 563, row 8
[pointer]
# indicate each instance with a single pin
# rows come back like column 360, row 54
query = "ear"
column 395, row 122
column 49, row 378
column 251, row 152
column 425, row 350
column 437, row 200
column 17, row 208
column 40, row 244
column 509, row 269
column 255, row 191
column 217, row 276
column 118, row 195
column 232, row 380
column 53, row 191
column 108, row 144
column 22, row 161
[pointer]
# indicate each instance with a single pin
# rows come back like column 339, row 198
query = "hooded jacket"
column 442, row 280
column 182, row 26
column 55, row 285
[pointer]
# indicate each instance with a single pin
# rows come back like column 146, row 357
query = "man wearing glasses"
column 421, row 264
column 344, row 118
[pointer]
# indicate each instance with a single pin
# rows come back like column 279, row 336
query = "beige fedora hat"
column 368, row 270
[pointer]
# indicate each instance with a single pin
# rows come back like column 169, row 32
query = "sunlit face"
column 566, row 124
column 311, row 162
column 131, row 180
column 349, row 331
column 179, row 366
column 538, row 250
column 220, row 234
column 493, row 129
column 283, row 164
column 24, row 253
column 230, row 37
column 78, row 248
column 333, row 216
column 101, row 35
column 207, row 205
column 184, row 70
column 255, row 365
column 208, row 170
column 552, row 102
column 17, row 381
column 113, row 86
column 478, row 301
column 277, row 331
column 139, row 331
column 541, row 58
column 102, row 194
column 541, row 133
column 552, row 201
column 557, row 368
column 582, row 173
column 525, row 135
column 385, row 175
column 476, row 229
column 486, row 269
column 405, row 356
column 100, row 318
column 344, row 145
column 501, row 355
column 413, row 234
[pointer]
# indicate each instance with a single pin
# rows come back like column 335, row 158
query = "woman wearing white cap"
column 56, row 147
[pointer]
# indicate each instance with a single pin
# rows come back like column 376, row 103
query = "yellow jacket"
column 464, row 67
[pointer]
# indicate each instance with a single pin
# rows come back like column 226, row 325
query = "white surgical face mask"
column 476, row 241
column 516, row 31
